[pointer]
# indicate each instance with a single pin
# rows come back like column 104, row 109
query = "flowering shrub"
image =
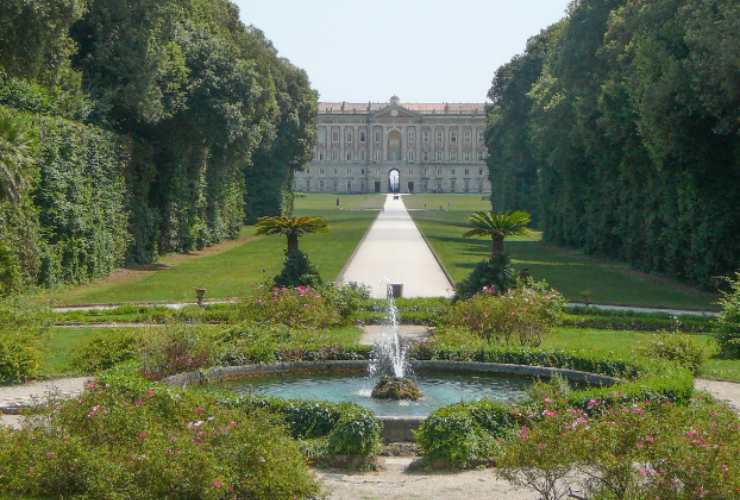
column 525, row 314
column 109, row 444
column 299, row 306
column 682, row 349
column 179, row 348
column 648, row 450
column 105, row 350
column 728, row 323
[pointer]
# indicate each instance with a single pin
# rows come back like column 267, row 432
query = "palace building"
column 394, row 146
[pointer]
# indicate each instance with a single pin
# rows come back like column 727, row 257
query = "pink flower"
column 593, row 403
column 217, row 484
column 51, row 455
column 542, row 446
column 524, row 433
column 692, row 433
column 549, row 413
column 143, row 435
column 200, row 410
column 650, row 439
column 151, row 393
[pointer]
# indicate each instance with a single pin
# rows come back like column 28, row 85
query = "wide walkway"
column 394, row 251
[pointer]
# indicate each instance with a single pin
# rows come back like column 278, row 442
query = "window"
column 321, row 156
column 453, row 171
column 453, row 136
column 411, row 171
column 349, row 155
column 467, row 171
column 335, row 136
column 440, row 137
column 426, row 155
column 362, row 155
column 362, row 136
column 425, row 136
column 466, row 156
column 321, row 185
column 378, row 136
column 411, row 133
column 480, row 136
column 308, row 171
column 335, row 155
column 468, row 136
column 439, row 155
column 322, row 135
column 321, row 171
column 376, row 154
column 453, row 155
column 348, row 135
column 335, row 171
column 480, row 171
column 411, row 155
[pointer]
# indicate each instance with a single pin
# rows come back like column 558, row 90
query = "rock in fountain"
column 390, row 364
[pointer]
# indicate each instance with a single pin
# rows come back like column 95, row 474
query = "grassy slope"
column 232, row 272
column 576, row 275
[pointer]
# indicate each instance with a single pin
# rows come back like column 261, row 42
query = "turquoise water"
column 440, row 389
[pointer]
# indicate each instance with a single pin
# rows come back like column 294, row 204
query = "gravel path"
column 394, row 482
column 15, row 398
column 394, row 250
column 724, row 391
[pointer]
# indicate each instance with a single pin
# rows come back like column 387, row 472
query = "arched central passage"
column 394, row 181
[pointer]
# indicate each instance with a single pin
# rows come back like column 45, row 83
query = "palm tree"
column 291, row 227
column 498, row 226
column 16, row 155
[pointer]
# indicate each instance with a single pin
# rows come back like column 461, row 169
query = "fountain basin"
column 442, row 382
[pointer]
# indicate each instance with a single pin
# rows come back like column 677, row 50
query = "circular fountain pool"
column 438, row 388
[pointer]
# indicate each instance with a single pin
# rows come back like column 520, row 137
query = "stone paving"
column 16, row 398
column 394, row 251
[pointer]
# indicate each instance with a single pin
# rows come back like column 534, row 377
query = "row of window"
column 437, row 186
column 439, row 132
column 396, row 156
column 410, row 171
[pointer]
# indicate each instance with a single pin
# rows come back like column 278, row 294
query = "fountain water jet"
column 389, row 361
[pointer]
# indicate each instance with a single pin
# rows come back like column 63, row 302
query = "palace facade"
column 424, row 148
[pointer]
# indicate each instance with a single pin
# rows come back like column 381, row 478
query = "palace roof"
column 417, row 107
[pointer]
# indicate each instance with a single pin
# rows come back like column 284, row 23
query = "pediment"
column 395, row 111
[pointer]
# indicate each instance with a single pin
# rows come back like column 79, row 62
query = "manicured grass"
column 577, row 276
column 235, row 271
column 61, row 345
column 323, row 201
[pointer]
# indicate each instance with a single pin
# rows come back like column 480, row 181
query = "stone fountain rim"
column 225, row 373
column 395, row 428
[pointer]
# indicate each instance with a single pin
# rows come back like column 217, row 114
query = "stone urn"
column 200, row 294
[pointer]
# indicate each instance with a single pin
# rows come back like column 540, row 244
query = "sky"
column 420, row 50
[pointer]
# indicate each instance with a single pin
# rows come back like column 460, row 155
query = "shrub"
column 497, row 273
column 728, row 323
column 173, row 349
column 682, row 349
column 526, row 313
column 462, row 435
column 344, row 429
column 346, row 299
column 21, row 326
column 297, row 271
column 155, row 444
column 106, row 350
column 302, row 306
column 649, row 450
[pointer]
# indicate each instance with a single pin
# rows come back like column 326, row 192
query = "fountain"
column 389, row 362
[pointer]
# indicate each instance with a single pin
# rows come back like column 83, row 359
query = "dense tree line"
column 619, row 129
column 134, row 127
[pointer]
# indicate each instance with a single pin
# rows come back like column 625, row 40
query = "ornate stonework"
column 435, row 147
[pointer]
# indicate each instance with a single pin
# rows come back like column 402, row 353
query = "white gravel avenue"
column 394, row 251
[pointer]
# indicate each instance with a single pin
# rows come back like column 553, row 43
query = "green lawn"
column 233, row 272
column 577, row 276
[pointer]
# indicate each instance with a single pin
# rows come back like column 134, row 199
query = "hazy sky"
column 421, row 50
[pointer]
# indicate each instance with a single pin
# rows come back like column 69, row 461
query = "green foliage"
column 646, row 322
column 175, row 349
column 498, row 226
column 301, row 306
column 464, row 435
column 345, row 429
column 106, row 350
column 525, row 314
column 651, row 450
column 496, row 273
column 645, row 172
column 153, row 443
column 682, row 349
column 297, row 271
column 728, row 323
column 22, row 325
